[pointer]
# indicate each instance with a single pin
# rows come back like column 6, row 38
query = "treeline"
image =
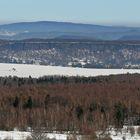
column 69, row 103
column 16, row 81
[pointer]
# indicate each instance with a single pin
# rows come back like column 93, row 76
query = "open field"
column 23, row 70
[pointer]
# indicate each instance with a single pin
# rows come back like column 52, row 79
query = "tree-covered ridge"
column 70, row 52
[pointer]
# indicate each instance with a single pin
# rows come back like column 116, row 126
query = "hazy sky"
column 119, row 12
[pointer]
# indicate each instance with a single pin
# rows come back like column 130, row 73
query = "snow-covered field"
column 124, row 134
column 23, row 70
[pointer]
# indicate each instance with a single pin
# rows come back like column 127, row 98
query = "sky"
column 110, row 12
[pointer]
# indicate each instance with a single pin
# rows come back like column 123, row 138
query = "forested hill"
column 72, row 52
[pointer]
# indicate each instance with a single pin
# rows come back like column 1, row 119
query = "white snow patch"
column 18, row 135
column 14, row 135
column 124, row 134
column 7, row 33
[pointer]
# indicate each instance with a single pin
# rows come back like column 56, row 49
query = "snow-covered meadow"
column 24, row 70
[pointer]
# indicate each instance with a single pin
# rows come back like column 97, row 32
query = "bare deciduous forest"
column 69, row 103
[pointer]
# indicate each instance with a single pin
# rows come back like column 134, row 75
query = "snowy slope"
column 22, row 70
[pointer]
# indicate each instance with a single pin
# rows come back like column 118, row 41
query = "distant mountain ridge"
column 52, row 29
